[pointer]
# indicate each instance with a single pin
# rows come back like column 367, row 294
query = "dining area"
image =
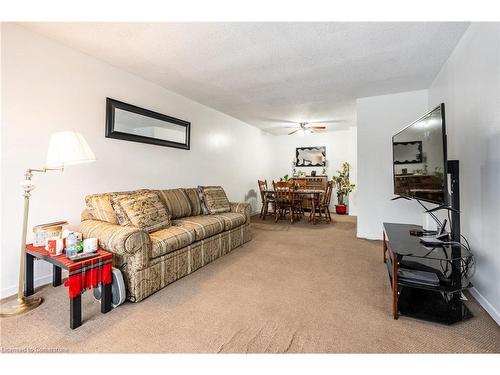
column 297, row 199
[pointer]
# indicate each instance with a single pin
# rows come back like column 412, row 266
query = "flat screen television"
column 420, row 160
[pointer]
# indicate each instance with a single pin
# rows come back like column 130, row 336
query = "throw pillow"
column 100, row 208
column 215, row 200
column 121, row 216
column 145, row 210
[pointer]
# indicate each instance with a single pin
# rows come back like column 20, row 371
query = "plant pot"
column 340, row 209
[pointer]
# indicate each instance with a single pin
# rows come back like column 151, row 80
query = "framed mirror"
column 407, row 152
column 310, row 156
column 130, row 123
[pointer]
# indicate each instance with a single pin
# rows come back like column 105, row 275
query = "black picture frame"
column 321, row 149
column 112, row 104
column 419, row 158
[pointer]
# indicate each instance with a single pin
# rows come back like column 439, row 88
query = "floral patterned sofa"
column 159, row 236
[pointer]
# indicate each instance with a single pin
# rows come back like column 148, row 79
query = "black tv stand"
column 416, row 292
column 439, row 302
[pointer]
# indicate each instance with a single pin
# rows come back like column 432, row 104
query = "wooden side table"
column 83, row 274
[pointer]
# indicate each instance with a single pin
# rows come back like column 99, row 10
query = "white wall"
column 469, row 85
column 340, row 147
column 48, row 87
column 379, row 118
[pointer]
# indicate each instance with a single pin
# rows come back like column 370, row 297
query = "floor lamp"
column 65, row 148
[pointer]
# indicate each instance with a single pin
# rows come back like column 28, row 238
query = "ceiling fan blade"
column 325, row 121
column 295, row 131
column 316, row 127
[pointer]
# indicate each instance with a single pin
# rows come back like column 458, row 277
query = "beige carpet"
column 293, row 288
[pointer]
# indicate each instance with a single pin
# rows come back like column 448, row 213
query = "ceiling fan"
column 306, row 128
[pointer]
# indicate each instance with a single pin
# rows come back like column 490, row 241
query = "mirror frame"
column 112, row 104
column 321, row 149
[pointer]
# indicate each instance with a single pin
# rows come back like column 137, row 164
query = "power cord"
column 467, row 264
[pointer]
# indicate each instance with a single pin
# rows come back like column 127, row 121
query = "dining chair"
column 300, row 184
column 285, row 201
column 323, row 206
column 267, row 199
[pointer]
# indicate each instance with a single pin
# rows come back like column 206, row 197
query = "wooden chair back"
column 262, row 186
column 283, row 191
column 328, row 193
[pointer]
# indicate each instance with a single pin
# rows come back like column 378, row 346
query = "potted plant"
column 344, row 187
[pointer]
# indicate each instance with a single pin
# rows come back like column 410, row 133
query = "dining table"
column 313, row 194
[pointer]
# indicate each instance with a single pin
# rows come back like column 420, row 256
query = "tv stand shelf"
column 442, row 287
column 438, row 303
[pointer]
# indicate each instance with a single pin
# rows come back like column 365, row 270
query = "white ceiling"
column 268, row 73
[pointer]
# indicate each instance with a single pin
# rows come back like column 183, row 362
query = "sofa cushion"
column 170, row 239
column 177, row 202
column 204, row 225
column 145, row 211
column 232, row 219
column 215, row 200
column 194, row 199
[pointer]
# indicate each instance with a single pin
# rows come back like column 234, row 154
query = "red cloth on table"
column 83, row 274
column 88, row 274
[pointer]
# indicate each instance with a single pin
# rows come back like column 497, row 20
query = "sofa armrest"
column 130, row 245
column 242, row 208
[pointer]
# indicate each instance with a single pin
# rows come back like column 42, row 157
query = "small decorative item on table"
column 82, row 275
column 89, row 245
column 55, row 246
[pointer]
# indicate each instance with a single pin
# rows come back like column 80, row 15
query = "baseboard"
column 486, row 305
column 11, row 290
column 369, row 236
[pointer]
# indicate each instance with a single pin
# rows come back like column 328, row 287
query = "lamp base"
column 19, row 306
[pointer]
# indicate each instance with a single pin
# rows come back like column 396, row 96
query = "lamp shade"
column 67, row 148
